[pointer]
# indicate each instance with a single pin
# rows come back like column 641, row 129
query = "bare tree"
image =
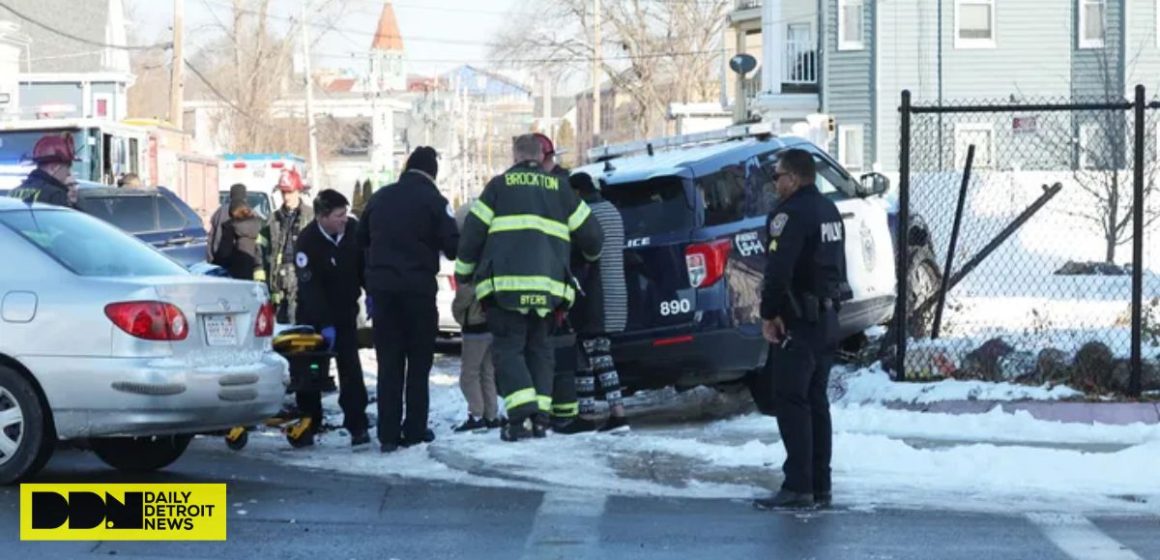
column 250, row 68
column 656, row 52
column 1104, row 142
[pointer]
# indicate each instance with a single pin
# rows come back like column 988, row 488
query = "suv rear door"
column 659, row 215
column 153, row 218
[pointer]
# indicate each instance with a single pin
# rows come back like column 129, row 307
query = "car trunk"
column 659, row 218
column 221, row 315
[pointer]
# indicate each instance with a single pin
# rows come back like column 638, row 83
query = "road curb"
column 1056, row 411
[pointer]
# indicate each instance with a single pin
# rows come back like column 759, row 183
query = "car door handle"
column 179, row 241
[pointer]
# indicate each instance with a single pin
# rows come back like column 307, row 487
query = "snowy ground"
column 704, row 443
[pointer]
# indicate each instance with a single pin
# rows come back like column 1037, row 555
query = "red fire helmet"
column 290, row 181
column 54, row 148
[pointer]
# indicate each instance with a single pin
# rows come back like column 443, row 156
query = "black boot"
column 516, row 430
column 540, row 425
column 572, row 426
column 786, row 499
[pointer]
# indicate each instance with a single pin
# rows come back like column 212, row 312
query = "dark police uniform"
column 403, row 228
column 330, row 280
column 805, row 275
column 515, row 247
column 43, row 188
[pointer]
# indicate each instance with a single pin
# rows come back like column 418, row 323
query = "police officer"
column 284, row 226
column 403, row 228
column 805, row 275
column 52, row 181
column 515, row 247
column 329, row 264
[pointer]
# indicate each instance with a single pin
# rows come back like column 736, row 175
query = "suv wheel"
column 26, row 442
column 140, row 454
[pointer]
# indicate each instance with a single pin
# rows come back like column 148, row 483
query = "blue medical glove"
column 329, row 334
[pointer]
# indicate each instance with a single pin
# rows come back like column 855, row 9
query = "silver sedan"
column 107, row 341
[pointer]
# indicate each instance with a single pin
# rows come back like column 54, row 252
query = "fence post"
column 949, row 268
column 903, row 269
column 1138, row 245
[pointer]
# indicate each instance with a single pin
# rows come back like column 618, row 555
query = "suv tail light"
column 264, row 326
column 706, row 262
column 149, row 320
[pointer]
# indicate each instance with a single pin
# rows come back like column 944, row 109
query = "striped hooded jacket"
column 517, row 240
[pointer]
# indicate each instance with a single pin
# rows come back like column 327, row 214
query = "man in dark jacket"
column 52, row 181
column 284, row 226
column 214, row 235
column 805, row 275
column 329, row 262
column 403, row 229
column 601, row 310
column 515, row 248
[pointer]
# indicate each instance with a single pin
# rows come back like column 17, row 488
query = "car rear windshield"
column 87, row 246
column 657, row 205
column 134, row 214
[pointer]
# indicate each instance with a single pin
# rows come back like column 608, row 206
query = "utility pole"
column 597, row 12
column 310, row 131
column 177, row 76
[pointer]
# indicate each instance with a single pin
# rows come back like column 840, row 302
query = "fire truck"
column 155, row 151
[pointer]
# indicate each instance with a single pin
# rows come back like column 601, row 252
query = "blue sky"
column 437, row 34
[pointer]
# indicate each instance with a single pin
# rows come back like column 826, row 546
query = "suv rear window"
column 87, row 246
column 658, row 205
column 134, row 214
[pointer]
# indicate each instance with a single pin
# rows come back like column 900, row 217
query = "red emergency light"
column 277, row 165
column 240, row 165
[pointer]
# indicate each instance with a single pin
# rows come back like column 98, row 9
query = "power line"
column 80, row 39
column 645, row 56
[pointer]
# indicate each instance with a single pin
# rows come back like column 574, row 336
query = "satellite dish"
column 743, row 63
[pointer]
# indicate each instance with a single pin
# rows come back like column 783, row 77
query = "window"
column 850, row 25
column 724, row 195
column 169, row 217
column 88, row 247
column 134, row 214
column 830, row 180
column 983, row 137
column 658, row 205
column 1092, row 22
column 851, row 148
column 975, row 23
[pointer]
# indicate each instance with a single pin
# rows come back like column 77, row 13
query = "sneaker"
column 428, row 437
column 615, row 424
column 360, row 439
column 785, row 499
column 471, row 424
column 515, row 431
column 572, row 426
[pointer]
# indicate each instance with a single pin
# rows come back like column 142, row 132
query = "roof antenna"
column 608, row 166
column 650, row 149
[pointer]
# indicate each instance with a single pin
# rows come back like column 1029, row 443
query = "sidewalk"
column 1112, row 413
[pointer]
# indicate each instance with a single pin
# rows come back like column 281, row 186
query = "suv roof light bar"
column 603, row 153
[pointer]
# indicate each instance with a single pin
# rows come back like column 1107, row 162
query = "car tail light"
column 149, row 320
column 264, row 326
column 706, row 262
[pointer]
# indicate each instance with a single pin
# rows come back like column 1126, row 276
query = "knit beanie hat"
column 237, row 192
column 424, row 159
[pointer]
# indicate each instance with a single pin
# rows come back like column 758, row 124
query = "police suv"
column 694, row 217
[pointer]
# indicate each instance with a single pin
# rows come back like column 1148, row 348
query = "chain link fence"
column 1032, row 271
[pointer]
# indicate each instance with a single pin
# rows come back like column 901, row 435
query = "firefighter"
column 805, row 277
column 52, row 181
column 284, row 227
column 515, row 247
column 329, row 263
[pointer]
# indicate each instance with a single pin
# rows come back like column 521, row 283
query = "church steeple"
column 387, row 54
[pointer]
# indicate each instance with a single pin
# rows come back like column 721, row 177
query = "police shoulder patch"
column 301, row 260
column 777, row 224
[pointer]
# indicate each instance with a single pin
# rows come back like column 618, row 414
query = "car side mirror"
column 873, row 184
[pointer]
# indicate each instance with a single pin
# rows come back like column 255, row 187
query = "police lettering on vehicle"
column 531, row 179
column 831, row 232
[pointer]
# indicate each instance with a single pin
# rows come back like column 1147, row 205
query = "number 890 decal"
column 676, row 307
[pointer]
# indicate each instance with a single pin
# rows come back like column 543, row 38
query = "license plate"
column 221, row 330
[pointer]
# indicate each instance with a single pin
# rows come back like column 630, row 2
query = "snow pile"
column 874, row 385
column 989, row 462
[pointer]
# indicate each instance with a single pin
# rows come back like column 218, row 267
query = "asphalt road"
column 281, row 513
